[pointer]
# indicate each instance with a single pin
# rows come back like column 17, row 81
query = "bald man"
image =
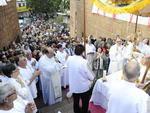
column 126, row 97
column 50, row 78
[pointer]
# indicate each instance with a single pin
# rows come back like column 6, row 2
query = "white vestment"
column 50, row 80
column 116, row 58
column 61, row 56
column 19, row 106
column 90, row 54
column 26, row 74
column 128, row 50
column 4, row 78
column 33, row 63
column 127, row 98
column 145, row 49
column 21, row 88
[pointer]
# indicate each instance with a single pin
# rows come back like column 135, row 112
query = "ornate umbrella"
column 138, row 7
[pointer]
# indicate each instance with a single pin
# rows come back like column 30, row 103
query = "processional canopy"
column 121, row 6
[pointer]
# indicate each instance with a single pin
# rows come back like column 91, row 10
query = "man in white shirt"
column 80, row 79
column 126, row 97
column 116, row 56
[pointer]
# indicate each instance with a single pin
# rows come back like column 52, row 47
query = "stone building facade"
column 99, row 25
column 9, row 26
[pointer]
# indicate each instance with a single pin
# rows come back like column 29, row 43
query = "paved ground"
column 64, row 107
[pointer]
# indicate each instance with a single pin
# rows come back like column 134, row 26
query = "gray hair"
column 5, row 89
column 131, row 69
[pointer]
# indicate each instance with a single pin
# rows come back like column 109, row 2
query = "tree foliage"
column 65, row 5
column 48, row 6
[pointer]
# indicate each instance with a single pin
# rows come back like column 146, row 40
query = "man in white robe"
column 27, row 74
column 144, row 49
column 126, row 97
column 50, row 78
column 90, row 53
column 61, row 55
column 31, row 61
column 116, row 56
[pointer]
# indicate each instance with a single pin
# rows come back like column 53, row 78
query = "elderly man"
column 11, row 103
column 126, row 97
column 116, row 56
column 28, row 75
column 50, row 78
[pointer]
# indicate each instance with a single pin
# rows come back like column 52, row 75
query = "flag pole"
column 136, row 24
column 84, row 34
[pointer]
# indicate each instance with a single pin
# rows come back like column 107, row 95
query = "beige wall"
column 9, row 26
column 99, row 25
column 76, row 17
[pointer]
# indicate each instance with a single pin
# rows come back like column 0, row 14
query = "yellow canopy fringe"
column 133, row 7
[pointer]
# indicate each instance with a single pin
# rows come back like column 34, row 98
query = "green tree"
column 65, row 5
column 44, row 6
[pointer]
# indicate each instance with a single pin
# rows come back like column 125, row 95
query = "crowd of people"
column 47, row 56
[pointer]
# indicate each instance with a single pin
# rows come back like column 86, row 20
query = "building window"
column 24, row 4
column 19, row 4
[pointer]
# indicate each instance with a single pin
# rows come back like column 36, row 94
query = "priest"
column 62, row 56
column 28, row 75
column 50, row 78
column 116, row 56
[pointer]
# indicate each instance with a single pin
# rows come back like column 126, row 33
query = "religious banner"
column 123, row 16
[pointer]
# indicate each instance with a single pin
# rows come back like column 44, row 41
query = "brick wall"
column 100, row 25
column 9, row 26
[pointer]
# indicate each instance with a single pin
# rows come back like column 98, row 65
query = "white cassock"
column 127, row 98
column 21, row 88
column 26, row 74
column 116, row 58
column 145, row 49
column 33, row 63
column 90, row 54
column 50, row 80
column 61, row 56
column 19, row 106
column 4, row 78
column 128, row 50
